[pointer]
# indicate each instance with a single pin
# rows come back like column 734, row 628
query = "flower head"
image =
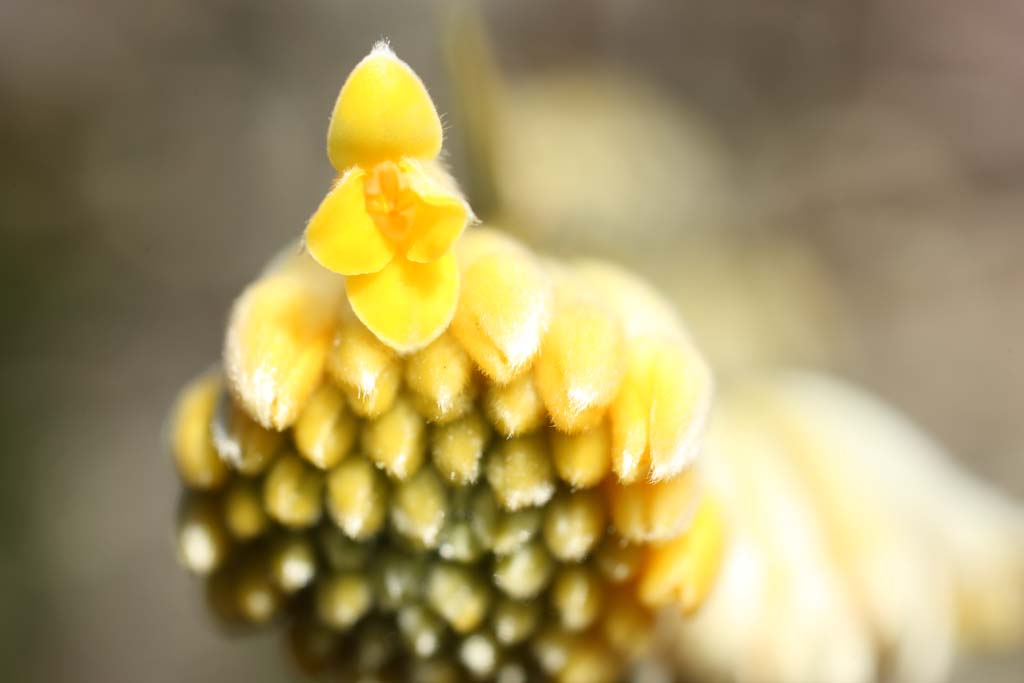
column 389, row 222
column 518, row 492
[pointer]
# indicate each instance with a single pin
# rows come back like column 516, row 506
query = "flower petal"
column 441, row 212
column 407, row 305
column 383, row 112
column 342, row 236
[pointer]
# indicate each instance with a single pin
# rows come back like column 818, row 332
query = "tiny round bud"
column 525, row 572
column 357, row 497
column 520, row 473
column 573, row 524
column 342, row 599
column 292, row 492
column 396, row 441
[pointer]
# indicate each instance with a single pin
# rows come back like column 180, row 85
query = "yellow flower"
column 390, row 220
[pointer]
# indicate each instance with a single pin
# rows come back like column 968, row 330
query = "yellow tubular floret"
column 440, row 379
column 368, row 372
column 326, row 430
column 278, row 336
column 661, row 411
column 580, row 365
column 383, row 112
column 504, row 308
column 396, row 441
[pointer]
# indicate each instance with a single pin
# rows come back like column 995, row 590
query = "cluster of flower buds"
column 456, row 462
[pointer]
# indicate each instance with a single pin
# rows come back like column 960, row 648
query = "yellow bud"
column 520, row 473
column 292, row 492
column 580, row 366
column 357, row 497
column 383, row 112
column 582, row 460
column 458, row 447
column 459, row 595
column 242, row 592
column 340, row 552
column 244, row 514
column 513, row 621
column 649, row 512
column 524, row 573
column 278, row 335
column 399, row 579
column 342, row 599
column 682, row 571
column 326, row 430
column 368, row 372
column 659, row 415
column 479, row 655
column 242, row 443
column 419, row 507
column 504, row 307
column 396, row 441
column 576, row 596
column 513, row 530
column 198, row 462
column 573, row 524
column 440, row 380
column 293, row 562
column 515, row 408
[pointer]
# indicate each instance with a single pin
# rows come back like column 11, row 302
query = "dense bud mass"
column 488, row 528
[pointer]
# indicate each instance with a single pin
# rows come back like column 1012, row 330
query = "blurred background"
column 837, row 185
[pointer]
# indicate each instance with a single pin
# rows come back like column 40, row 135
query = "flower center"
column 390, row 202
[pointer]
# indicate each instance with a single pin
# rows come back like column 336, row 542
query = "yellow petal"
column 441, row 213
column 383, row 112
column 407, row 305
column 342, row 236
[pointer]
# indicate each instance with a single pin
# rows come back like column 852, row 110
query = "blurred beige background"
column 154, row 155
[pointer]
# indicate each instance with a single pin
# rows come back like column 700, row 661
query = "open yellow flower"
column 389, row 222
